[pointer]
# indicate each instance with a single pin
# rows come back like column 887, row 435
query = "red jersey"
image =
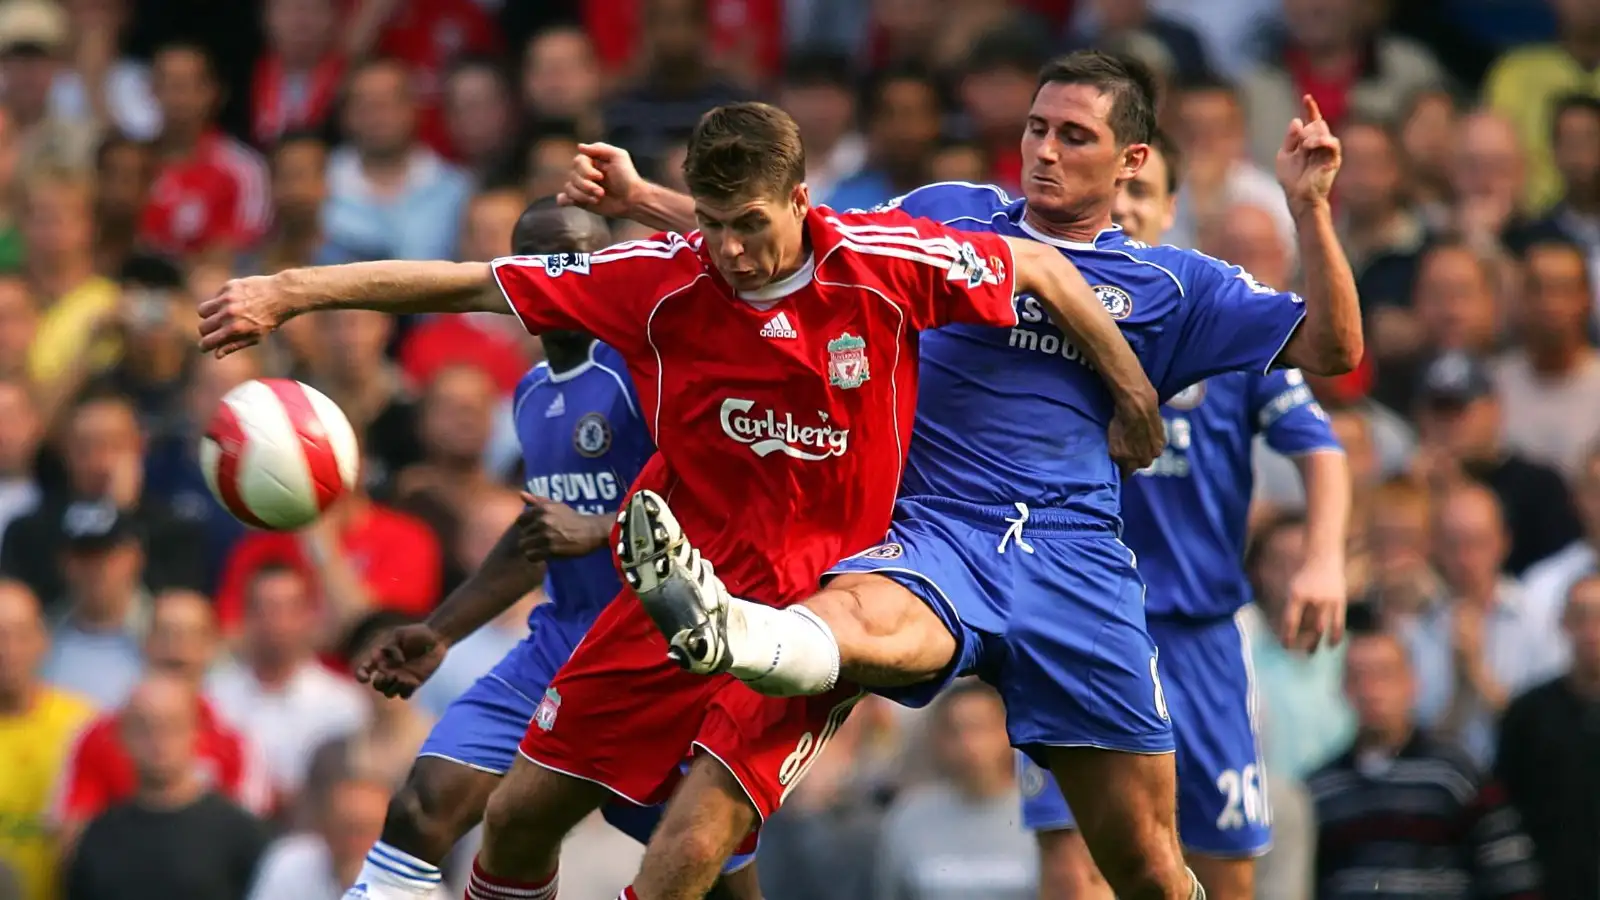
column 782, row 417
column 100, row 773
column 220, row 195
column 396, row 555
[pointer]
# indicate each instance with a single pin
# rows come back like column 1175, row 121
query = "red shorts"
column 620, row 714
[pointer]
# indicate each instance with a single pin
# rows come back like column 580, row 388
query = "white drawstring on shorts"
column 1013, row 534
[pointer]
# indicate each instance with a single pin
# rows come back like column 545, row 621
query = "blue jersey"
column 1185, row 515
column 1016, row 415
column 583, row 443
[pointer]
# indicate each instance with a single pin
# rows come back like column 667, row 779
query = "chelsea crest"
column 592, row 436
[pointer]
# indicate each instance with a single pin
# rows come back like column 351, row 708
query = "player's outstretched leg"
column 1126, row 808
column 528, row 815
column 863, row 628
column 440, row 802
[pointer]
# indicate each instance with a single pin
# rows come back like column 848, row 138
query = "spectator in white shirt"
column 276, row 692
column 1547, row 584
column 1473, row 654
column 102, row 86
column 1217, row 171
column 319, row 864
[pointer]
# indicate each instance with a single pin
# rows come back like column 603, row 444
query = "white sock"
column 1198, row 892
column 391, row 874
column 782, row 652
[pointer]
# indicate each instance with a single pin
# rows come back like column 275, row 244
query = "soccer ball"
column 278, row 453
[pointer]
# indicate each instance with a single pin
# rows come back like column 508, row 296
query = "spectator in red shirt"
column 297, row 80
column 210, row 193
column 358, row 556
column 182, row 642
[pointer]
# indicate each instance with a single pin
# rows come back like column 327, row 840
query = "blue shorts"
column 1047, row 609
column 482, row 728
column 1222, row 790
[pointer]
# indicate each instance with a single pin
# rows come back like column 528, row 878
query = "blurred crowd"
column 176, row 717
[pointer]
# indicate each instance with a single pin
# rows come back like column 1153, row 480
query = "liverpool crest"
column 545, row 715
column 847, row 361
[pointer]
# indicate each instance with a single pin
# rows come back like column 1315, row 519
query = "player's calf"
column 528, row 815
column 439, row 803
column 705, row 821
column 1066, row 870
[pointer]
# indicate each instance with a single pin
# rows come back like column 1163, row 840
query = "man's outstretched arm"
column 1329, row 340
column 248, row 309
column 1042, row 271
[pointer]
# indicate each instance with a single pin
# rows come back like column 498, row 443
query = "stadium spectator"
column 1554, row 372
column 550, row 155
column 817, row 91
column 58, row 227
column 1404, row 582
column 95, row 648
column 1427, row 131
column 1217, row 171
column 478, row 114
column 1488, row 175
column 1379, row 227
column 496, row 344
column 476, row 654
column 1575, row 145
column 903, row 124
column 350, row 365
column 123, row 171
column 20, row 434
column 561, row 81
column 153, row 316
column 175, row 837
column 1105, row 21
column 296, row 81
column 276, row 692
column 1329, row 50
column 426, row 35
column 210, row 194
column 958, row 160
column 182, row 642
column 103, row 454
column 996, row 88
column 321, row 862
column 33, row 40
column 676, row 82
column 1461, row 423
column 389, row 195
column 37, row 726
column 959, row 836
column 1305, row 721
column 1549, row 582
column 1525, row 84
column 102, row 85
column 1549, row 739
column 11, row 248
column 1453, row 307
column 299, row 189
column 1474, row 653
column 1406, row 810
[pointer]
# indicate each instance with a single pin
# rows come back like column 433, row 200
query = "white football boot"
column 678, row 587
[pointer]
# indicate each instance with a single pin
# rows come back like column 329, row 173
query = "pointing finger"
column 600, row 152
column 1313, row 111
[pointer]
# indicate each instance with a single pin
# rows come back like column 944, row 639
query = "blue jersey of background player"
column 1185, row 516
column 583, row 443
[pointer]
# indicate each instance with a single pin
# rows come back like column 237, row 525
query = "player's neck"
column 565, row 352
column 1082, row 231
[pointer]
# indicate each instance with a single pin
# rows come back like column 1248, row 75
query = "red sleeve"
column 86, row 789
column 608, row 294
column 250, row 213
column 938, row 275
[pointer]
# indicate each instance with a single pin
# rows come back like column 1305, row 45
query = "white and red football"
column 278, row 453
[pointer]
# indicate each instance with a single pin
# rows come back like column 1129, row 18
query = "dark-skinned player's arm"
column 1137, row 434
column 515, row 566
column 1329, row 340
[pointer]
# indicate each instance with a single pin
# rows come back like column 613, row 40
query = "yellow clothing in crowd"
column 1524, row 86
column 33, row 749
column 65, row 330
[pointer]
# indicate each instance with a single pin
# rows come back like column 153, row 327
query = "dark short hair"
column 819, row 67
column 1163, row 144
column 1571, row 103
column 548, row 227
column 1129, row 82
column 207, row 61
column 878, row 86
column 1008, row 48
column 744, row 150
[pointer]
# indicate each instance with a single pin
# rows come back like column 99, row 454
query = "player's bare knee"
column 887, row 636
column 1143, row 870
column 438, row 803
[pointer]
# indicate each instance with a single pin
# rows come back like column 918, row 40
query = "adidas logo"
column 778, row 327
column 558, row 407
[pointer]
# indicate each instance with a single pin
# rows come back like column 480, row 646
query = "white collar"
column 783, row 287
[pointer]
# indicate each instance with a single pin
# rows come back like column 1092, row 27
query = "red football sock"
column 483, row 886
column 628, row 893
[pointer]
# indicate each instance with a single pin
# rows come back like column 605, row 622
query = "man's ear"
column 800, row 199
